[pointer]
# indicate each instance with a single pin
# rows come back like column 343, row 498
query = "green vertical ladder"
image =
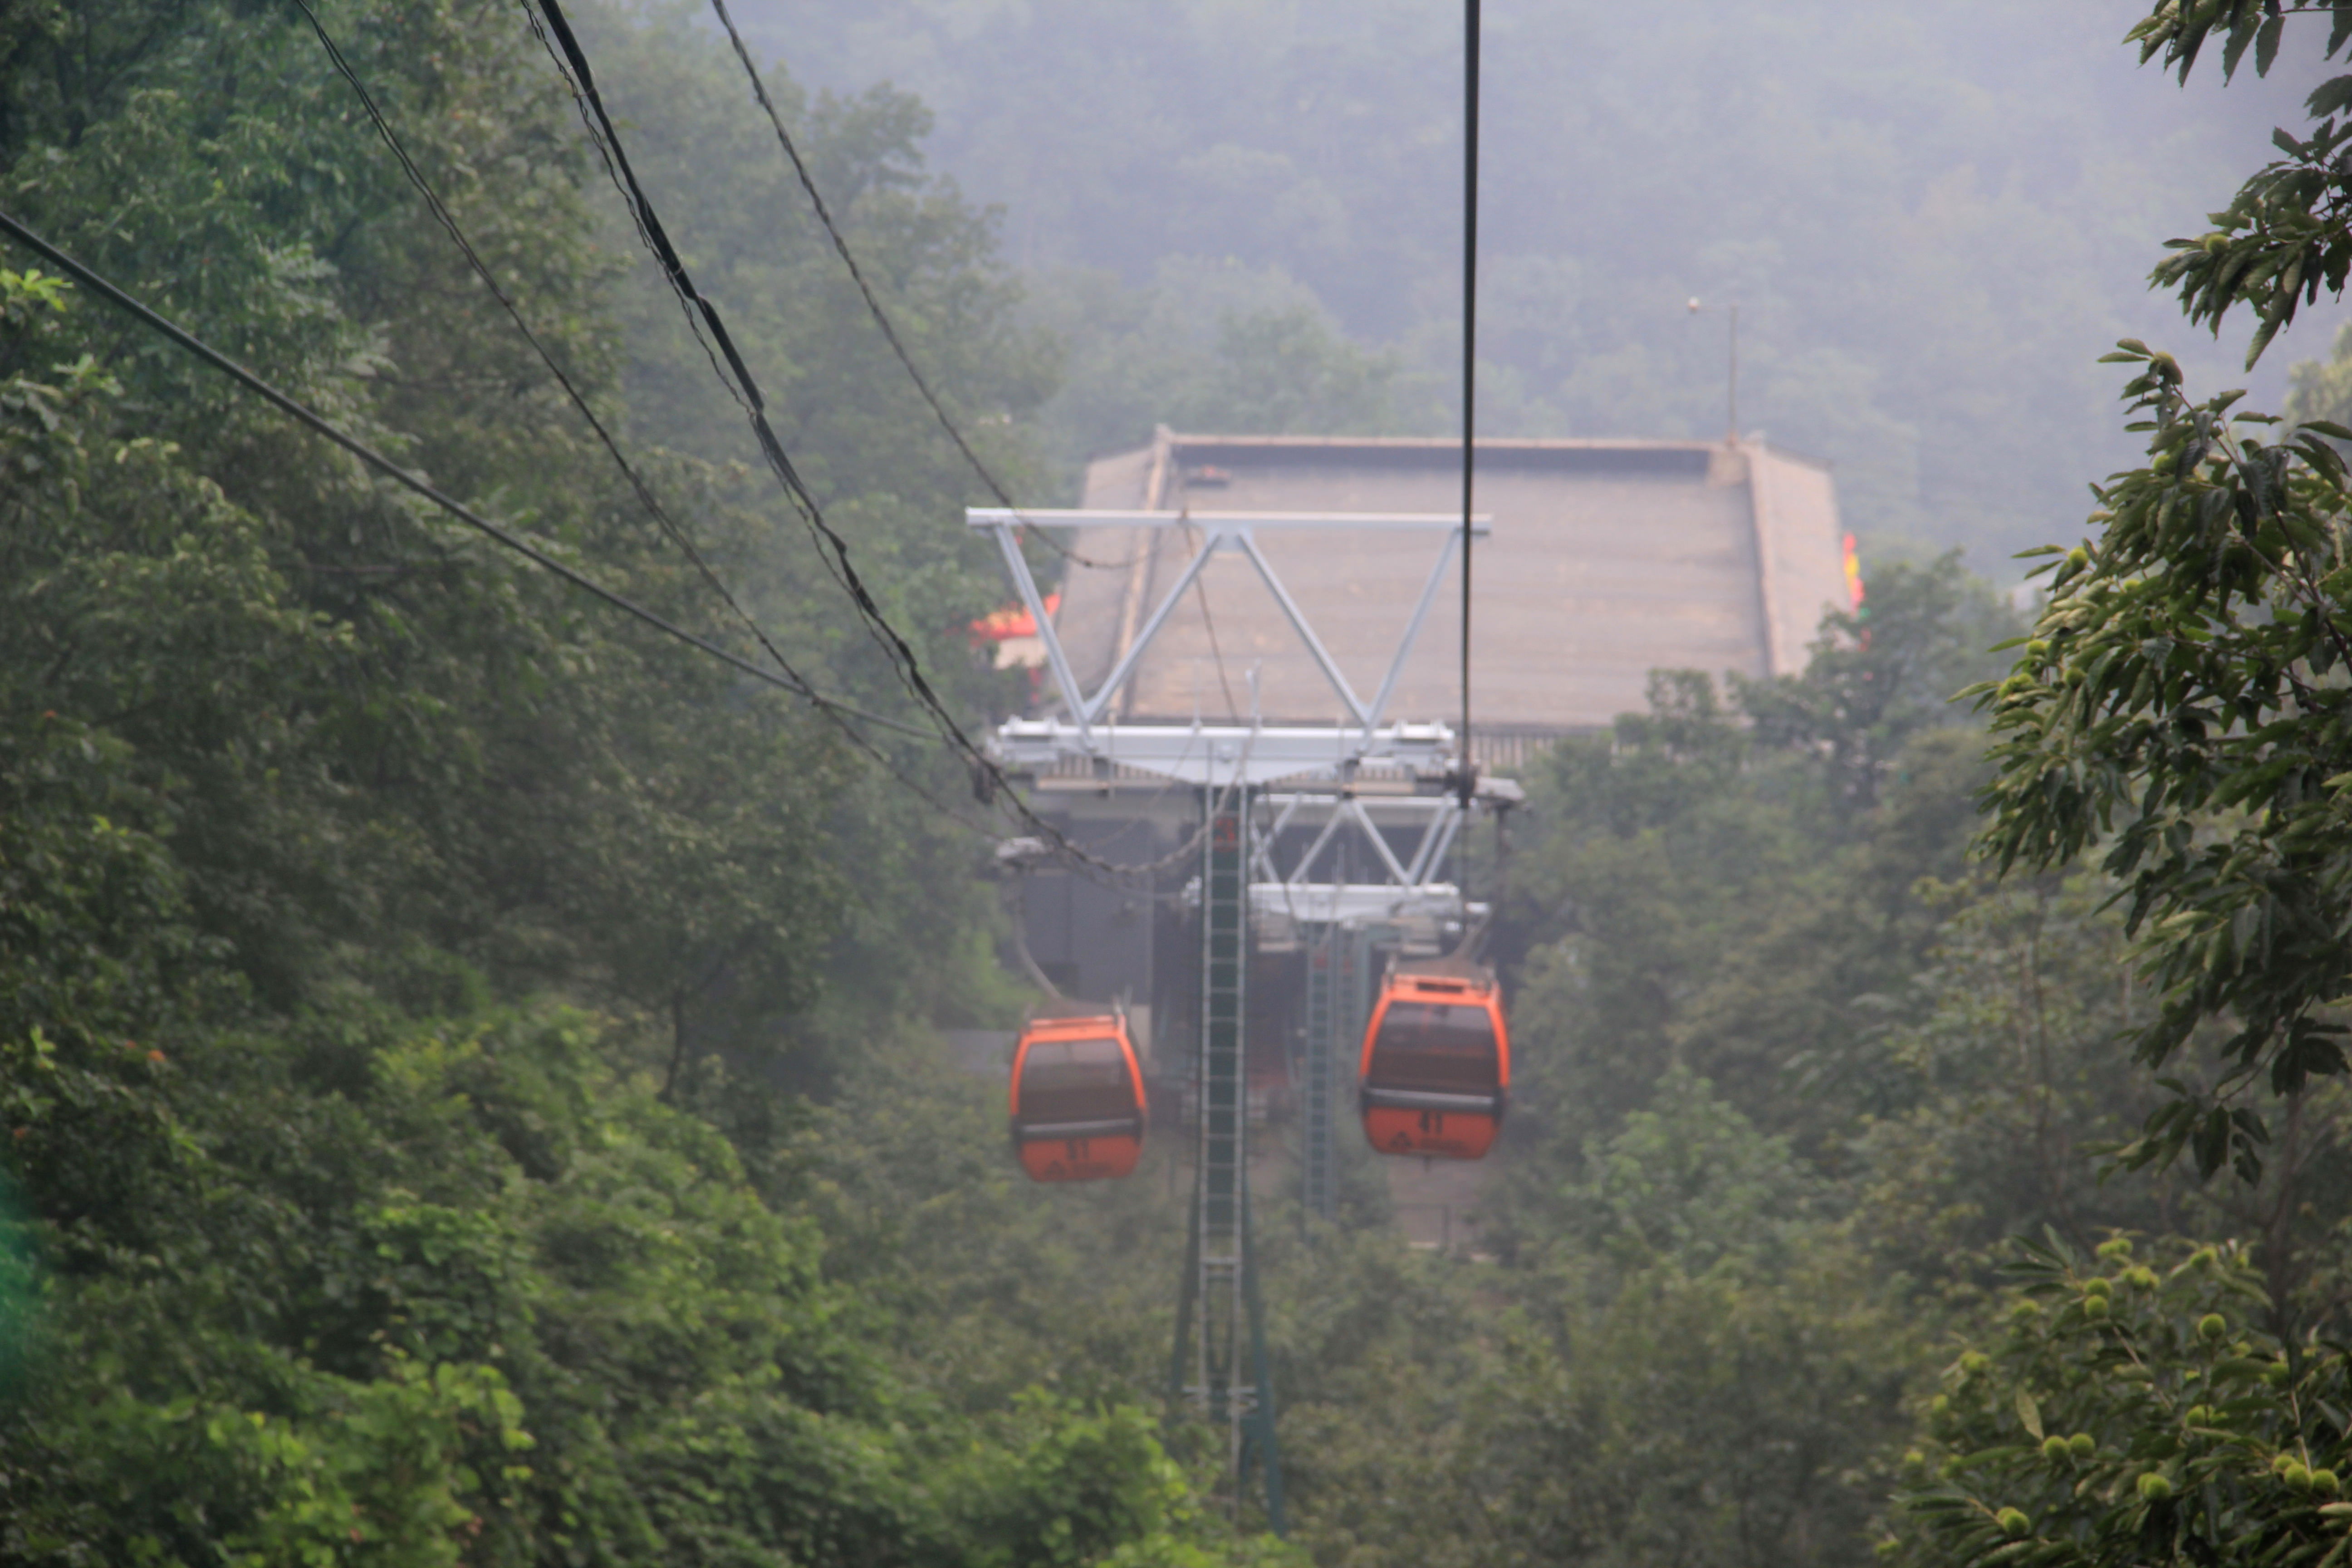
column 1319, row 1164
column 1218, row 1301
column 1338, row 968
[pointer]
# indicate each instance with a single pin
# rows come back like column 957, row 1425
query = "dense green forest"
column 472, row 1086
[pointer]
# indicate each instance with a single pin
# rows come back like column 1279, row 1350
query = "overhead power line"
column 669, row 525
column 320, row 425
column 874, row 302
column 1466, row 782
column 571, row 61
column 789, row 681
column 833, row 549
column 676, row 532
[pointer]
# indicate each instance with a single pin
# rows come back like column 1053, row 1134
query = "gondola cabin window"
column 1436, row 1067
column 1442, row 1045
column 1078, row 1100
column 1076, row 1080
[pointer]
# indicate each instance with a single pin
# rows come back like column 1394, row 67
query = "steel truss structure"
column 1194, row 752
column 1407, row 887
column 1339, row 982
column 1243, row 883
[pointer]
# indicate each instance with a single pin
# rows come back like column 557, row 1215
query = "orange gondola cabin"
column 1077, row 1098
column 1436, row 1068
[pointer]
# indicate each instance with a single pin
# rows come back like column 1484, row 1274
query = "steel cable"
column 637, row 482
column 873, row 305
column 572, row 62
column 320, row 425
column 1468, row 782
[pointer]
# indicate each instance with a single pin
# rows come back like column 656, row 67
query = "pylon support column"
column 1219, row 1311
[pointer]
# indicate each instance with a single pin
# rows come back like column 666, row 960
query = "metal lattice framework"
column 1194, row 751
column 1338, row 965
column 1219, row 1316
column 1407, row 886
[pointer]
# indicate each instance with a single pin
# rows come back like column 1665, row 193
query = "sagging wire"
column 669, row 525
column 881, row 317
column 1012, row 853
column 674, row 531
column 571, row 64
column 320, row 425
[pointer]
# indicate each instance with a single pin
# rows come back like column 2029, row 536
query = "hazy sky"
column 1936, row 216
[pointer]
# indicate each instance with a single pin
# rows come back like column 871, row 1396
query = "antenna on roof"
column 1731, row 422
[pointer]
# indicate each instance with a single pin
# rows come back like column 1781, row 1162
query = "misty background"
column 1244, row 215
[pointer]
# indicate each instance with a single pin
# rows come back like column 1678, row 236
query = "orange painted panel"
column 1434, row 1134
column 1440, row 1036
column 1080, row 1159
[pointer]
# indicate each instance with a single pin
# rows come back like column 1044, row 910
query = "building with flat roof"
column 1607, row 560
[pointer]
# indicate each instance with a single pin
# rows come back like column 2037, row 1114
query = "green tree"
column 357, row 1236
column 1208, row 347
column 2180, row 705
column 1693, row 1366
column 2131, row 1414
column 1715, row 883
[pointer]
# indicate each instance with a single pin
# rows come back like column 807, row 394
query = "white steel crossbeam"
column 1221, row 531
column 1299, row 892
column 1358, row 903
column 1200, row 753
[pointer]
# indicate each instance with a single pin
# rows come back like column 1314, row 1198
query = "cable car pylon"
column 1219, row 1367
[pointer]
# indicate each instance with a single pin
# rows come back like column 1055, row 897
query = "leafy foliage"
column 1695, row 1368
column 1715, row 893
column 2132, row 1414
column 372, row 913
column 1990, row 1083
column 2288, row 233
column 462, row 1074
column 2177, row 711
column 2180, row 700
column 2179, row 694
column 1210, row 346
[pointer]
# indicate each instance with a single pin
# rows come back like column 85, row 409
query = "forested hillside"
column 1935, row 219
column 370, row 902
column 472, row 1083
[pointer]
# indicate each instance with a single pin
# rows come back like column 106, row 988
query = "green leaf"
column 2332, row 96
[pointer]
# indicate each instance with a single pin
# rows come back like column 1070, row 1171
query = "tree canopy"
column 472, row 1086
